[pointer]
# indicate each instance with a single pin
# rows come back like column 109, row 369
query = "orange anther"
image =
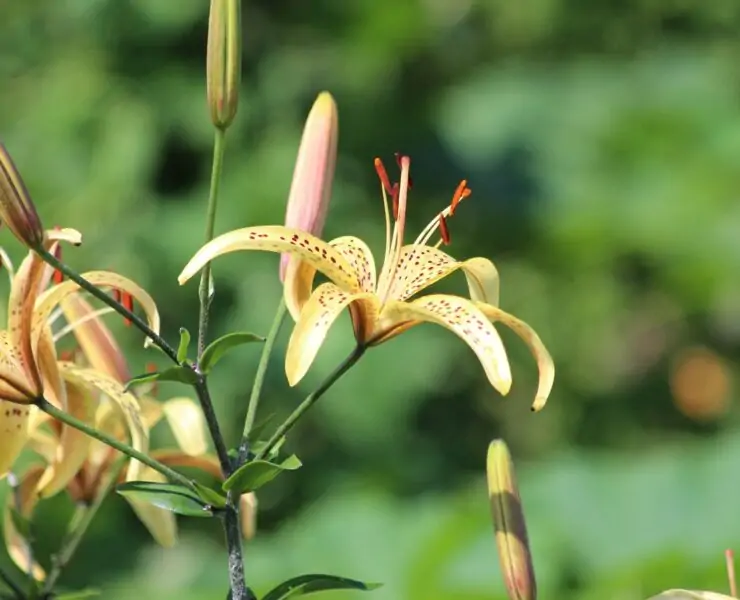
column 151, row 367
column 127, row 300
column 383, row 176
column 443, row 230
column 117, row 295
column 394, row 198
column 461, row 192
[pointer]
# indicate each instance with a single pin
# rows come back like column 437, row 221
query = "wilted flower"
column 381, row 307
column 223, row 62
column 310, row 190
column 16, row 208
column 508, row 522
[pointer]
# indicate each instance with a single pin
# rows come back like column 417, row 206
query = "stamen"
column 394, row 200
column 444, row 232
column 58, row 276
column 116, row 295
column 399, row 158
column 383, row 176
column 127, row 300
column 461, row 192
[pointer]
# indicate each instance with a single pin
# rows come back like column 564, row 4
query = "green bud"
column 224, row 61
column 16, row 208
column 508, row 523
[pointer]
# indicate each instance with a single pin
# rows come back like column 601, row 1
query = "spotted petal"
column 540, row 353
column 279, row 239
column 464, row 319
column 13, row 433
column 317, row 316
column 421, row 266
column 360, row 259
column 14, row 385
column 95, row 380
column 53, row 296
column 17, row 545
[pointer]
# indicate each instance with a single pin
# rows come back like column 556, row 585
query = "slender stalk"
column 730, row 562
column 81, row 521
column 204, row 397
column 205, row 276
column 311, row 399
column 239, row 590
column 12, row 585
column 259, row 379
column 51, row 410
column 157, row 339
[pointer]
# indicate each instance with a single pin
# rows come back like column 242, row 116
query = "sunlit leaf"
column 169, row 496
column 217, row 349
column 254, row 474
column 308, row 584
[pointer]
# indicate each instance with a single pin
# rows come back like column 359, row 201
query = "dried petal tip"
column 16, row 209
column 310, row 190
column 223, row 62
column 508, row 522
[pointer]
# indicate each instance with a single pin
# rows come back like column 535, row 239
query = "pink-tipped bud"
column 310, row 190
column 16, row 208
column 508, row 523
column 224, row 61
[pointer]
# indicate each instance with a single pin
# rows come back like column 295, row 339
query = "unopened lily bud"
column 248, row 509
column 313, row 174
column 508, row 522
column 16, row 208
column 224, row 61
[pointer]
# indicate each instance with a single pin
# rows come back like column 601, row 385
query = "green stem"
column 51, row 410
column 205, row 276
column 12, row 585
column 204, row 397
column 311, row 399
column 79, row 525
column 157, row 339
column 259, row 379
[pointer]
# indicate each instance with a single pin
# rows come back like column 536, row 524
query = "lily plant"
column 384, row 305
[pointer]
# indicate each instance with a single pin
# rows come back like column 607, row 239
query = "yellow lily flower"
column 28, row 361
column 384, row 306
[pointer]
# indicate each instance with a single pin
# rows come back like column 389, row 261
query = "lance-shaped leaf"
column 308, row 584
column 169, row 496
column 508, row 522
column 182, row 374
column 217, row 349
column 254, row 474
column 182, row 348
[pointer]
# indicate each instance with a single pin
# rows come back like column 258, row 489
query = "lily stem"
column 157, row 339
column 78, row 528
column 259, row 379
column 51, row 410
column 311, row 399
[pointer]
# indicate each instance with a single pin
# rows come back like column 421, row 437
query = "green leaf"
column 210, row 496
column 217, row 349
column 181, row 374
column 259, row 428
column 182, row 349
column 169, row 496
column 90, row 593
column 22, row 524
column 308, row 584
column 254, row 474
column 259, row 445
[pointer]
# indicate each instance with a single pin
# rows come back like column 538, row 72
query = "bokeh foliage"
column 602, row 142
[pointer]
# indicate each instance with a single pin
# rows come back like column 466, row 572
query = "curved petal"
column 274, row 238
column 13, row 433
column 316, row 318
column 161, row 523
column 53, row 296
column 542, row 356
column 126, row 401
column 186, row 421
column 248, row 514
column 72, row 450
column 14, row 385
column 297, row 285
column 97, row 342
column 421, row 266
column 18, row 546
column 463, row 318
column 359, row 257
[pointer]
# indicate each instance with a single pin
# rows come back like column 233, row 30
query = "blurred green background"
column 602, row 143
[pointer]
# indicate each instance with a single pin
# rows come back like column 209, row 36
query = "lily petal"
column 14, row 385
column 360, row 259
column 297, row 285
column 248, row 514
column 97, row 342
column 545, row 363
column 127, row 402
column 53, row 296
column 317, row 316
column 13, row 433
column 72, row 450
column 185, row 419
column 17, row 545
column 160, row 522
column 463, row 318
column 274, row 238
column 421, row 266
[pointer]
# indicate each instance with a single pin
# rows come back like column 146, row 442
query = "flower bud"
column 508, row 523
column 310, row 190
column 224, row 61
column 16, row 209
